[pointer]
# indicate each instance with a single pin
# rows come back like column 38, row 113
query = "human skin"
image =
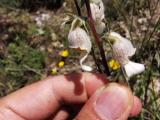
column 45, row 99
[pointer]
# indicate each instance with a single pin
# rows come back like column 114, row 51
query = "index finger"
column 41, row 99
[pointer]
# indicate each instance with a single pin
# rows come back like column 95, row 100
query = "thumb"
column 113, row 102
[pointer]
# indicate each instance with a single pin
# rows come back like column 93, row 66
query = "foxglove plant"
column 122, row 47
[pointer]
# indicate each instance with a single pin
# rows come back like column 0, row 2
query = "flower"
column 54, row 71
column 122, row 48
column 122, row 51
column 78, row 38
column 64, row 53
column 61, row 64
column 97, row 9
column 114, row 64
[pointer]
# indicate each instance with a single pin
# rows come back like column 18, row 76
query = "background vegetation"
column 29, row 51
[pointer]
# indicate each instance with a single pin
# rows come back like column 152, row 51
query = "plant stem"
column 96, row 61
column 96, row 36
column 92, row 51
column 78, row 8
column 149, row 77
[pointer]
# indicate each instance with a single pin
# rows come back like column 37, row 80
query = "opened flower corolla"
column 122, row 48
column 78, row 38
column 122, row 51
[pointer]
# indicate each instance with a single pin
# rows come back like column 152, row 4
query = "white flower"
column 97, row 9
column 122, row 51
column 78, row 38
column 122, row 47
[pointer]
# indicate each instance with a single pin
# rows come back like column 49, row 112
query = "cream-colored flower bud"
column 122, row 51
column 97, row 11
column 78, row 38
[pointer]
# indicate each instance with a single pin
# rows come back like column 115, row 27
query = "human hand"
column 45, row 99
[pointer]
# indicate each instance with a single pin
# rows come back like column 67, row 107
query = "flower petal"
column 122, row 48
column 78, row 38
column 133, row 68
column 97, row 11
column 85, row 67
column 100, row 26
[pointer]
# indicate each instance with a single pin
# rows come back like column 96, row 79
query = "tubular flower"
column 97, row 9
column 78, row 38
column 122, row 51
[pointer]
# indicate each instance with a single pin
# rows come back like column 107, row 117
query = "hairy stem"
column 96, row 36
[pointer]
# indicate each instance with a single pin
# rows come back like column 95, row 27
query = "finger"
column 40, row 100
column 136, row 107
column 114, row 102
column 61, row 115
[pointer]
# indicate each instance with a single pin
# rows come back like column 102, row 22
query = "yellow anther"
column 64, row 53
column 61, row 64
column 113, row 64
column 54, row 71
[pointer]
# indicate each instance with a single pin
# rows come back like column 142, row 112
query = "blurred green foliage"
column 11, row 3
column 21, row 65
column 22, row 62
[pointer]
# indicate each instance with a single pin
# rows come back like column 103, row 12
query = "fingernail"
column 112, row 102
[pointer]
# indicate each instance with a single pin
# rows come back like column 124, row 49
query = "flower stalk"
column 78, row 8
column 96, row 36
column 92, row 50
